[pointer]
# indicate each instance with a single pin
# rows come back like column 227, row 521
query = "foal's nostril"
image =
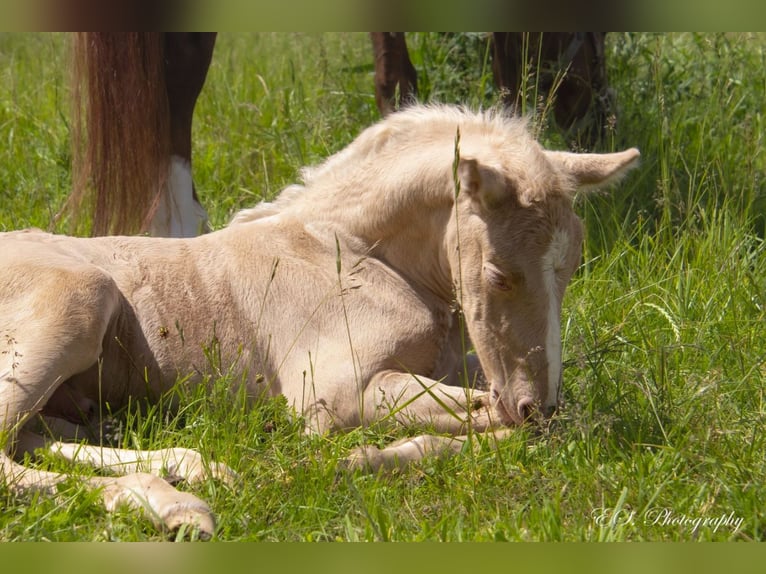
column 525, row 408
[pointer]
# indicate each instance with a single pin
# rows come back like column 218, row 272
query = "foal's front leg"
column 403, row 452
column 408, row 399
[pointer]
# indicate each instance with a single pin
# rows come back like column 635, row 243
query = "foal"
column 342, row 296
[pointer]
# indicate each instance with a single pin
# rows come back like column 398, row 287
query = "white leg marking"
column 178, row 215
column 552, row 260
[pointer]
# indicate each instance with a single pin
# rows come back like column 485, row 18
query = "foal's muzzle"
column 529, row 411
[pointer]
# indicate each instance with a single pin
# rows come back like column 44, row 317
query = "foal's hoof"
column 169, row 509
column 189, row 515
column 364, row 458
column 187, row 464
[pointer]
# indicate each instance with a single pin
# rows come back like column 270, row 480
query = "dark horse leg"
column 393, row 69
column 134, row 96
column 572, row 64
column 187, row 60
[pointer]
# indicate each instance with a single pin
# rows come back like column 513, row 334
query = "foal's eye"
column 496, row 278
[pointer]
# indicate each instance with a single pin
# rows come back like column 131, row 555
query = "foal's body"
column 248, row 305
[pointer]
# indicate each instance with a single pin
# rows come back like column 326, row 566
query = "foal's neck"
column 412, row 242
column 401, row 216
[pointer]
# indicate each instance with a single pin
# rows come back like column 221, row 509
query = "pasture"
column 661, row 434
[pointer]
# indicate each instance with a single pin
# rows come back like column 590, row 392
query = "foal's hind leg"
column 168, row 508
column 139, row 488
column 48, row 335
column 53, row 324
column 172, row 463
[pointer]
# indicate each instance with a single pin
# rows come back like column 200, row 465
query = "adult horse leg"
column 569, row 66
column 507, row 66
column 393, row 71
column 586, row 101
column 134, row 96
column 187, row 59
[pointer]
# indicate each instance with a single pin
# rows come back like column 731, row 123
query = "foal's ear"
column 481, row 182
column 595, row 169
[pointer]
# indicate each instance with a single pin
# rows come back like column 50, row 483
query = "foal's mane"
column 414, row 147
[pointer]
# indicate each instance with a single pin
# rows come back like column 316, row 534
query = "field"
column 661, row 435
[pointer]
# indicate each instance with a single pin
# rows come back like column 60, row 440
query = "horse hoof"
column 363, row 458
column 170, row 510
column 188, row 465
column 190, row 518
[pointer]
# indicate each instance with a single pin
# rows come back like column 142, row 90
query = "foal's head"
column 516, row 246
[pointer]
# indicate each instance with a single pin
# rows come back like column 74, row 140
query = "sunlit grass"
column 663, row 326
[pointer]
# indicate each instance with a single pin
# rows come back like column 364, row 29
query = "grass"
column 661, row 431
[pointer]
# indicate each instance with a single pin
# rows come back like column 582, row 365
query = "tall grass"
column 661, row 430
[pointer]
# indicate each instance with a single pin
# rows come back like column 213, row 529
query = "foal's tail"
column 121, row 130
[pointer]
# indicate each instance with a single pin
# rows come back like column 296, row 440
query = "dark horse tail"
column 121, row 130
